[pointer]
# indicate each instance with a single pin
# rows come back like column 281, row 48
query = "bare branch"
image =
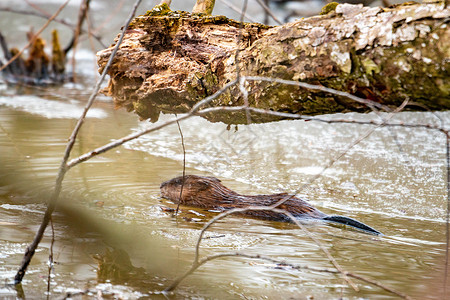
column 288, row 116
column 196, row 111
column 296, row 267
column 84, row 7
column 184, row 165
column 203, row 6
column 133, row 136
column 33, row 39
column 105, row 22
column 369, row 103
column 238, row 10
column 63, row 167
column 199, row 262
column 263, row 208
column 269, row 12
column 273, row 207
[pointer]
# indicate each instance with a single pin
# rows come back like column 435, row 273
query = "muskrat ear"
column 204, row 183
column 201, row 185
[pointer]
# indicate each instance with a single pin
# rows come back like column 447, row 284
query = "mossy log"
column 171, row 60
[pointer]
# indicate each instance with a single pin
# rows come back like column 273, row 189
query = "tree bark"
column 169, row 61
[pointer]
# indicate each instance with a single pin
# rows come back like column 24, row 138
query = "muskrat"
column 209, row 193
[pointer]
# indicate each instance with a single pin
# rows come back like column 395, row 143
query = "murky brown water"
column 113, row 201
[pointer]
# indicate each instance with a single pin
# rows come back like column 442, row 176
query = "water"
column 113, row 201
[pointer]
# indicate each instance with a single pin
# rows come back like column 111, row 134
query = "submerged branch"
column 196, row 263
column 284, row 264
column 199, row 262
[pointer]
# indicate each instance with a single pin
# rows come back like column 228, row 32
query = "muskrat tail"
column 353, row 223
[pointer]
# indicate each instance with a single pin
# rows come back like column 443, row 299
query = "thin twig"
column 112, row 15
column 84, row 7
column 376, row 283
column 242, row 88
column 290, row 116
column 50, row 258
column 33, row 39
column 135, row 135
column 269, row 12
column 290, row 265
column 238, row 10
column 199, row 262
column 63, row 167
column 324, row 250
column 283, row 200
column 369, row 103
column 36, row 7
column 184, row 166
column 346, row 150
column 196, row 112
column 90, row 35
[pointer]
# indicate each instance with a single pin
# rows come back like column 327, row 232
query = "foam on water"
column 48, row 108
column 277, row 157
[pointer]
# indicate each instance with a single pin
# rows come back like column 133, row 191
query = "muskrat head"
column 192, row 186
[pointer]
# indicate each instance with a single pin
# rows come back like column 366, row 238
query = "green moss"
column 213, row 19
column 159, row 10
column 140, row 108
column 370, row 66
column 329, row 8
column 210, row 79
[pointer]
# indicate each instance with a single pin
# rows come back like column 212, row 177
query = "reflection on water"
column 400, row 193
column 285, row 155
column 113, row 200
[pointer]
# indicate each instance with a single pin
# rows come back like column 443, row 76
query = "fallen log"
column 169, row 61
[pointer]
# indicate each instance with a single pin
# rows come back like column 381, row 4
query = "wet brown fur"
column 209, row 193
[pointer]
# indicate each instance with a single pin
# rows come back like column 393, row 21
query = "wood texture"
column 171, row 60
